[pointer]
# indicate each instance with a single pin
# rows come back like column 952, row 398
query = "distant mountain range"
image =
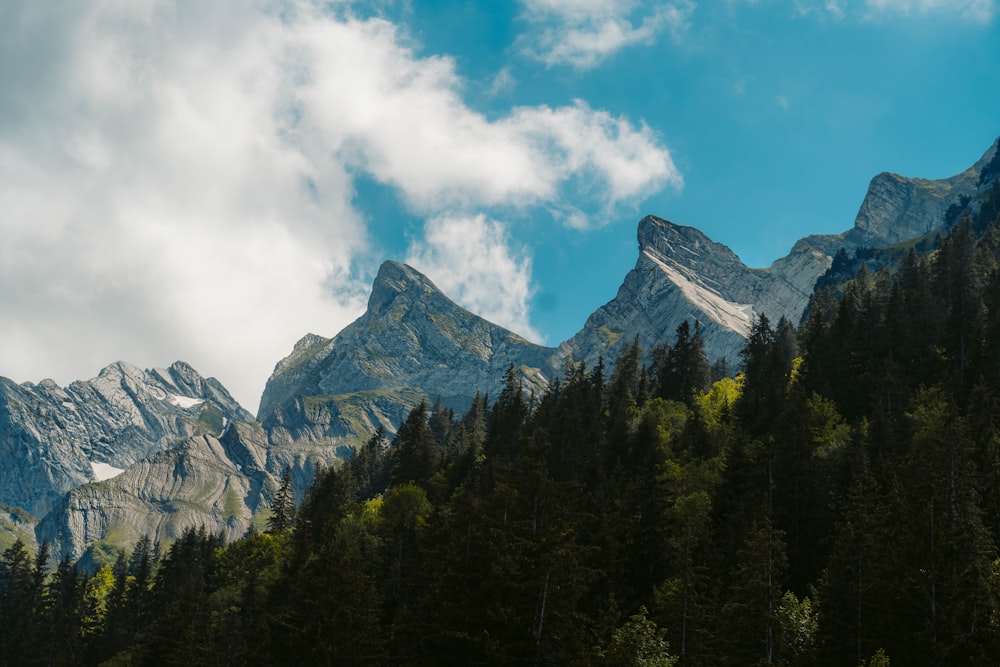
column 94, row 466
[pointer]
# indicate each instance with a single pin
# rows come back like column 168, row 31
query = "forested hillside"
column 837, row 503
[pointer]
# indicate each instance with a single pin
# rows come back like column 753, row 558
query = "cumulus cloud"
column 402, row 119
column 177, row 178
column 471, row 260
column 154, row 208
column 582, row 33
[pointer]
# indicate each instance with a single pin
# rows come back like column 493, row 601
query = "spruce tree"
column 283, row 506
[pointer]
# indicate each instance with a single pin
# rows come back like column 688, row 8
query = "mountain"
column 53, row 439
column 136, row 452
column 681, row 275
column 220, row 482
column 412, row 343
column 898, row 209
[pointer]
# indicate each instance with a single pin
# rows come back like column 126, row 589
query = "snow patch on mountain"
column 185, row 402
column 103, row 471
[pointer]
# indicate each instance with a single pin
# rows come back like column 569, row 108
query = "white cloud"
column 582, row 33
column 470, row 260
column 834, row 8
column 177, row 177
column 402, row 119
column 153, row 208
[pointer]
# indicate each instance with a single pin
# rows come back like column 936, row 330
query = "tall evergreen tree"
column 683, row 370
column 283, row 506
column 416, row 448
column 507, row 418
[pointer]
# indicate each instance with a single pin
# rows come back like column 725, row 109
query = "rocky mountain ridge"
column 188, row 454
column 681, row 275
column 53, row 439
column 897, row 208
column 413, row 343
column 218, row 481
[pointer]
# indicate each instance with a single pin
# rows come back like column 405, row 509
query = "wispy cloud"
column 980, row 11
column 502, row 83
column 177, row 178
column 975, row 11
column 582, row 33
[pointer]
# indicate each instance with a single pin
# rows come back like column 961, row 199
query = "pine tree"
column 507, row 418
column 64, row 641
column 17, row 597
column 683, row 371
column 417, row 451
column 371, row 465
column 283, row 506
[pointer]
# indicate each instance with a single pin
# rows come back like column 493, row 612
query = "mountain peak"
column 898, row 208
column 652, row 229
column 662, row 238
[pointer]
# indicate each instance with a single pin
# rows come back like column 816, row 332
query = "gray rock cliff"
column 219, row 483
column 897, row 209
column 681, row 275
column 53, row 439
column 413, row 343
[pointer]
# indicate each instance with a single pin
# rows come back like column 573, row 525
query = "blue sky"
column 211, row 181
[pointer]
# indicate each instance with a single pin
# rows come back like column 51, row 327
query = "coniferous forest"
column 835, row 503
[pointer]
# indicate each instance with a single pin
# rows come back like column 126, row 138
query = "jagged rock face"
column 53, row 439
column 216, row 482
column 898, row 209
column 412, row 343
column 683, row 275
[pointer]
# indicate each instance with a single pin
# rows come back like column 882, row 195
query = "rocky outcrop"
column 681, row 275
column 53, row 439
column 412, row 343
column 897, row 209
column 219, row 483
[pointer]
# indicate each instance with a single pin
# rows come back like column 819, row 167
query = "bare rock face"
column 681, row 275
column 53, row 439
column 412, row 343
column 898, row 209
column 219, row 483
